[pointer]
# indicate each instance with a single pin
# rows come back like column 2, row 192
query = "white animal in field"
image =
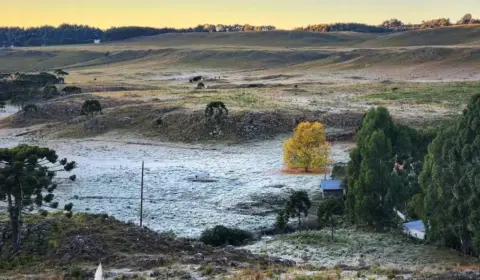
column 99, row 273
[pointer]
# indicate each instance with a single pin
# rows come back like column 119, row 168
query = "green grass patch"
column 452, row 93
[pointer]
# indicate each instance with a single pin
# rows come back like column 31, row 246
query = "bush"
column 71, row 90
column 221, row 235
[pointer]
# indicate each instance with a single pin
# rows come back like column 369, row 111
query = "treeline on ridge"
column 391, row 25
column 83, row 34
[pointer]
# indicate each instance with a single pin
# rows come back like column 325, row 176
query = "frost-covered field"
column 109, row 174
column 359, row 249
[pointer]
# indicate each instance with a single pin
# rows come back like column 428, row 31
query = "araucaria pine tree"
column 27, row 179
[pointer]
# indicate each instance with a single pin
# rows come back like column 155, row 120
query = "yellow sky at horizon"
column 186, row 13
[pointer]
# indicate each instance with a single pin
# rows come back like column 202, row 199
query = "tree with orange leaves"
column 308, row 148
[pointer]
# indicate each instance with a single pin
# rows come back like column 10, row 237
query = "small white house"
column 96, row 41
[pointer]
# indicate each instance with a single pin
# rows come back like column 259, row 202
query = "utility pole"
column 141, row 198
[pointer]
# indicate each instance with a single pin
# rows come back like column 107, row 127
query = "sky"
column 284, row 14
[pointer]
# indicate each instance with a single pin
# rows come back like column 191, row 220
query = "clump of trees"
column 449, row 197
column 308, row 147
column 383, row 171
column 21, row 88
column 390, row 25
column 91, row 108
column 435, row 23
column 355, row 27
column 84, row 34
column 297, row 205
column 28, row 179
column 223, row 236
column 468, row 19
column 48, row 35
column 394, row 24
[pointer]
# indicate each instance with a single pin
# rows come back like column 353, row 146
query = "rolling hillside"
column 337, row 50
column 455, row 35
column 288, row 39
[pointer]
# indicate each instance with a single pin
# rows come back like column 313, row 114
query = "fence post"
column 141, row 198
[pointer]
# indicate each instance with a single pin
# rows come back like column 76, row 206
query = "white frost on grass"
column 357, row 248
column 108, row 181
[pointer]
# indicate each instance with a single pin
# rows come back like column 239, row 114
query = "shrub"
column 221, row 235
column 91, row 107
column 71, row 90
column 50, row 92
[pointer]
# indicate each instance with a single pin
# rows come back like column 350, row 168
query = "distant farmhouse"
column 331, row 188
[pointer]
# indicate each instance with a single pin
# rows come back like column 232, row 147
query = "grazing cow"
column 196, row 79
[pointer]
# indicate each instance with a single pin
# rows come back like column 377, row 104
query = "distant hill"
column 444, row 36
column 335, row 50
column 288, row 39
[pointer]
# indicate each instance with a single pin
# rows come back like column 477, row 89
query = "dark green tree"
column 449, row 201
column 383, row 170
column 27, row 176
column 91, row 108
column 328, row 210
column 362, row 186
column 373, row 193
column 30, row 109
column 50, row 92
column 214, row 113
column 297, row 205
column 281, row 221
column 339, row 171
column 216, row 110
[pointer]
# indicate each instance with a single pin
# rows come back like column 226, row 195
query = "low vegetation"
column 222, row 236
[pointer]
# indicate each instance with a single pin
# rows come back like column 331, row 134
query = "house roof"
column 415, row 225
column 331, row 185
